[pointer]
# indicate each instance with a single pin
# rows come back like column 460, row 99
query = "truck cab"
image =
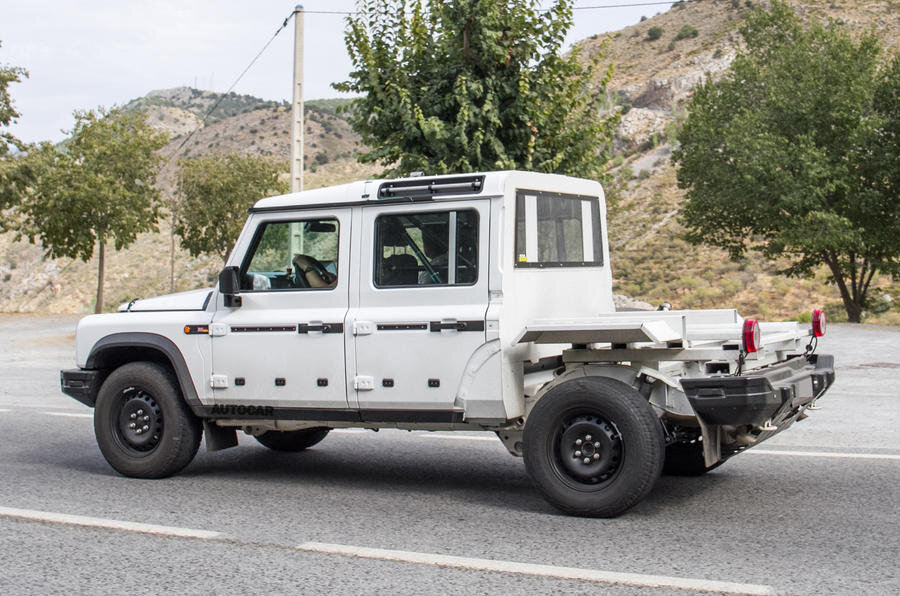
column 463, row 302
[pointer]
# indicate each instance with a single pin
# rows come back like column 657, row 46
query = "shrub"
column 686, row 31
column 804, row 317
column 671, row 45
column 643, row 19
column 654, row 33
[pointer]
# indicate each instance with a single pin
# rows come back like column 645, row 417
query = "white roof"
column 363, row 191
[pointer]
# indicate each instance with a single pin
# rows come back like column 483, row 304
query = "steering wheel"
column 300, row 280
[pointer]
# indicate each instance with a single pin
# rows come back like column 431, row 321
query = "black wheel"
column 292, row 440
column 686, row 459
column 143, row 427
column 593, row 447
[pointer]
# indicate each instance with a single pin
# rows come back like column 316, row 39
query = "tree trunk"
column 101, row 271
column 853, row 304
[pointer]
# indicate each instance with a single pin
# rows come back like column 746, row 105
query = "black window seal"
column 559, row 264
column 254, row 244
column 376, row 256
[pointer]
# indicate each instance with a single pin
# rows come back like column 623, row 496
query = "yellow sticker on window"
column 523, row 259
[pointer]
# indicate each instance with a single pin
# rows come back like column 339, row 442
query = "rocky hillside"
column 653, row 80
column 657, row 62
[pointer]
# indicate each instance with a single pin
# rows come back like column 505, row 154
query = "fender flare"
column 118, row 342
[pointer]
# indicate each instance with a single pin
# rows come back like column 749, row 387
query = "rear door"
column 423, row 294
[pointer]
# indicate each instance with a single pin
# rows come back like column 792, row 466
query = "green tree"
column 99, row 191
column 475, row 85
column 215, row 193
column 794, row 153
column 12, row 178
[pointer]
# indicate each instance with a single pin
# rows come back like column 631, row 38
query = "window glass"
column 288, row 255
column 422, row 249
column 556, row 230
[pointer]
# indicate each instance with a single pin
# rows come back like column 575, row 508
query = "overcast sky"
column 106, row 52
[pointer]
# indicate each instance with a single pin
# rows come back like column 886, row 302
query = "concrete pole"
column 297, row 130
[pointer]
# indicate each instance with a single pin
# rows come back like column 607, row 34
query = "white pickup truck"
column 464, row 302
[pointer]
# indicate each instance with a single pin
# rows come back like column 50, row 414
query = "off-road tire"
column 292, row 440
column 686, row 459
column 630, row 454
column 173, row 432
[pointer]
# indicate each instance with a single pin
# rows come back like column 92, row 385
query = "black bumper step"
column 754, row 399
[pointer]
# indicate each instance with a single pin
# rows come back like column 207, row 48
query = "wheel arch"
column 112, row 351
column 624, row 374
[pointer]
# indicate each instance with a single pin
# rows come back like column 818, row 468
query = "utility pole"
column 297, row 130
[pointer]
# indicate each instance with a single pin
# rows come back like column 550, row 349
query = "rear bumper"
column 81, row 384
column 770, row 394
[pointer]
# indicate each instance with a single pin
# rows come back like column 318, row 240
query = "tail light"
column 818, row 322
column 750, row 336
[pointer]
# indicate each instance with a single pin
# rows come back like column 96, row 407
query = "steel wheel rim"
column 137, row 421
column 586, row 451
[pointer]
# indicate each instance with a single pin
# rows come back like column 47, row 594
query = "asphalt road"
column 813, row 511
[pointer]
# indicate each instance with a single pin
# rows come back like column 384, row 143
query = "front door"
column 423, row 297
column 284, row 346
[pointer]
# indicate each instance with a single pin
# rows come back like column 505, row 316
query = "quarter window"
column 557, row 230
column 426, row 249
column 289, row 255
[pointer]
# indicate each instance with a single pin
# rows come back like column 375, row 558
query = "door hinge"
column 218, row 329
column 218, row 381
column 363, row 327
column 363, row 383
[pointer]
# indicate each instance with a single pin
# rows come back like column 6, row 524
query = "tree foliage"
column 8, row 112
column 12, row 179
column 98, row 191
column 794, row 153
column 215, row 193
column 474, row 85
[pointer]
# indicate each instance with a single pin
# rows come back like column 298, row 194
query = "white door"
column 423, row 296
column 284, row 346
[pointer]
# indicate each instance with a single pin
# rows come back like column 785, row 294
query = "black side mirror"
column 230, row 286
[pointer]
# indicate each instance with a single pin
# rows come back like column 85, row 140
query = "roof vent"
column 426, row 188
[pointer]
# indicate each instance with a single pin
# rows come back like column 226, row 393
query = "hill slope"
column 652, row 81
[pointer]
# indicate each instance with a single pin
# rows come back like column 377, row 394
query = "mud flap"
column 219, row 437
column 712, row 442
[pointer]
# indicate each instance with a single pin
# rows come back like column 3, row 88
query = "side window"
column 557, row 230
column 425, row 249
column 289, row 255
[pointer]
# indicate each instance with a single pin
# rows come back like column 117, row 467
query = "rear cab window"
column 557, row 230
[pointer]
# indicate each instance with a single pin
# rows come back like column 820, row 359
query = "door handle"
column 322, row 327
column 438, row 326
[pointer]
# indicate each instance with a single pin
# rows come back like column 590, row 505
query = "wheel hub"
column 140, row 420
column 590, row 449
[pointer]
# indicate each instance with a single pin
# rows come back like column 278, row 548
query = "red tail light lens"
column 750, row 336
column 818, row 322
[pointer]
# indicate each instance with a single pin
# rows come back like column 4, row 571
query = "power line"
column 596, row 7
column 230, row 89
column 621, row 5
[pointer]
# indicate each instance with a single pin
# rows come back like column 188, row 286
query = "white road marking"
column 825, row 454
column 113, row 524
column 424, row 435
column 596, row 575
column 461, row 438
column 69, row 414
column 757, row 451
